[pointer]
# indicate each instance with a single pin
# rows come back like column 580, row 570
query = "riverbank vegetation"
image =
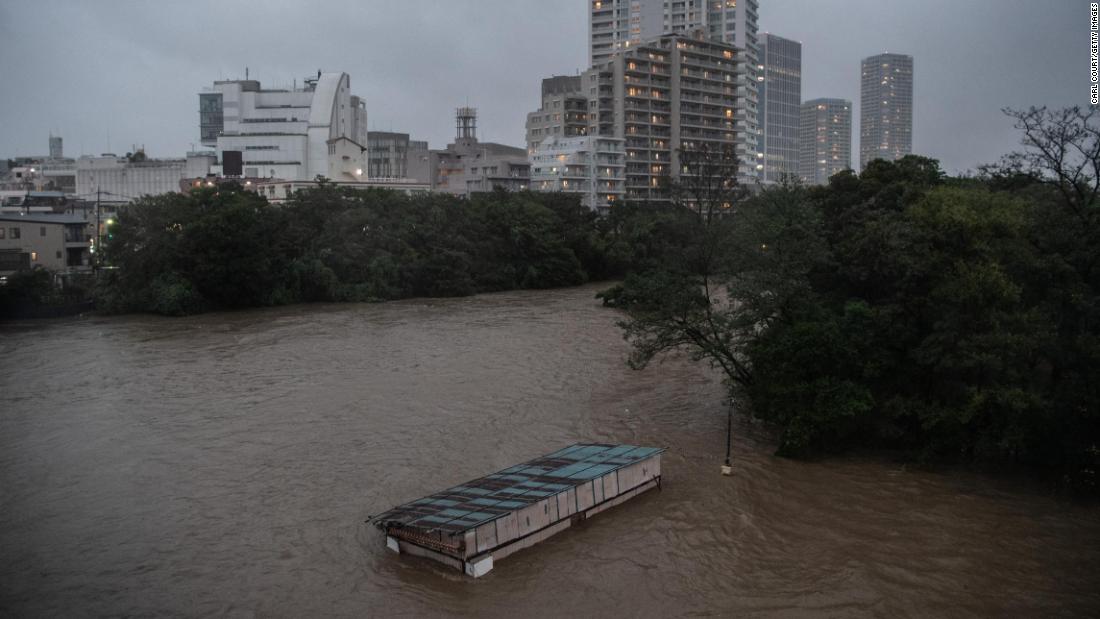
column 40, row 293
column 228, row 248
column 953, row 318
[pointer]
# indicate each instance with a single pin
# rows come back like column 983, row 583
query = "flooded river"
column 223, row 465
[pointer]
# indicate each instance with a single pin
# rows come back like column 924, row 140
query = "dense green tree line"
column 952, row 318
column 228, row 248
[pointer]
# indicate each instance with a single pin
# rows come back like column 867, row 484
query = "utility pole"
column 98, row 236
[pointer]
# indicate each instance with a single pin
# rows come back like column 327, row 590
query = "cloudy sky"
column 109, row 74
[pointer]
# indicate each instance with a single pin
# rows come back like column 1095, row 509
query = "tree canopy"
column 228, row 248
column 953, row 318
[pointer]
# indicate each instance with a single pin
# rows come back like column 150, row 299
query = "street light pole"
column 98, row 236
column 727, row 468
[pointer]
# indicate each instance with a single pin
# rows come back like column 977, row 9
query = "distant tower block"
column 56, row 151
column 466, row 120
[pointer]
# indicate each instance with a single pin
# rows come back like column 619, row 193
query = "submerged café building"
column 471, row 525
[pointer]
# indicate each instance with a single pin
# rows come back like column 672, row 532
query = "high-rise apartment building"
column 886, row 108
column 292, row 134
column 669, row 93
column 826, row 139
column 779, row 82
column 620, row 25
column 563, row 112
column 616, row 25
column 591, row 166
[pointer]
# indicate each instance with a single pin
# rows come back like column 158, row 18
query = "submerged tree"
column 737, row 265
column 951, row 318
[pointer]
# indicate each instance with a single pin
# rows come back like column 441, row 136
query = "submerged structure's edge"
column 470, row 526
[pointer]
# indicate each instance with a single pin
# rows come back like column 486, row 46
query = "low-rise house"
column 59, row 242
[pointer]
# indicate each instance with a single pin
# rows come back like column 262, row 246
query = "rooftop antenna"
column 246, row 73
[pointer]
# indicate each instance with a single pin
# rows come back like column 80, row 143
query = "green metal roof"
column 481, row 500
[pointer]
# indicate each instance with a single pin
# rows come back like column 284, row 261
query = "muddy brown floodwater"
column 223, row 465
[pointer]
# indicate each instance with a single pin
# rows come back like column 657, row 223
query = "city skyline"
column 414, row 63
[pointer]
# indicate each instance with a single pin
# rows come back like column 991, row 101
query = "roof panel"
column 487, row 498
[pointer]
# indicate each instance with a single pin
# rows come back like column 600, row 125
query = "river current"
column 224, row 465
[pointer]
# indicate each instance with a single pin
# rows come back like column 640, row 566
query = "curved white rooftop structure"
column 286, row 133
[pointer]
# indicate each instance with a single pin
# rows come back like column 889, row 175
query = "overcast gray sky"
column 112, row 73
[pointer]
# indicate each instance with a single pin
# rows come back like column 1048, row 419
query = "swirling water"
column 224, row 465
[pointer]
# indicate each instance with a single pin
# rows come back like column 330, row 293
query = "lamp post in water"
column 727, row 468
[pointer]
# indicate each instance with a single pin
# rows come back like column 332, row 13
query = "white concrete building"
column 592, row 166
column 118, row 179
column 286, row 133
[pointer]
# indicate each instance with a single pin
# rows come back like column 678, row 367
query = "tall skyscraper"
column 826, row 139
column 56, row 149
column 618, row 25
column 779, row 82
column 886, row 108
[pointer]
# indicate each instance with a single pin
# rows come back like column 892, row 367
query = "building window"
column 2, row 233
column 13, row 233
column 34, row 256
column 59, row 255
column 42, row 231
